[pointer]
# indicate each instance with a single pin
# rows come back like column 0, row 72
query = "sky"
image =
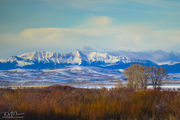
column 61, row 25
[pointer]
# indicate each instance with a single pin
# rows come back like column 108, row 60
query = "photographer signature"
column 12, row 114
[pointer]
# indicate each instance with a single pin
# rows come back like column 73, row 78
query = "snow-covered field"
column 168, row 86
column 76, row 76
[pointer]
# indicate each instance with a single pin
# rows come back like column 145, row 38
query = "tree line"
column 139, row 75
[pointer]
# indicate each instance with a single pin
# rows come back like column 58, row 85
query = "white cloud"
column 97, row 32
column 159, row 3
column 97, row 21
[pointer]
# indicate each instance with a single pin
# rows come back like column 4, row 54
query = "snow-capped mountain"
column 159, row 57
column 76, row 57
column 45, row 59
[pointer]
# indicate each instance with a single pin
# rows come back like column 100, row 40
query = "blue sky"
column 60, row 25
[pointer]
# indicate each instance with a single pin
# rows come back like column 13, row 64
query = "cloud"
column 87, row 5
column 97, row 21
column 149, row 39
column 96, row 32
column 98, row 5
column 159, row 3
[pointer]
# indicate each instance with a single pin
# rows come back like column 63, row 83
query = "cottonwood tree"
column 137, row 76
column 119, row 84
column 156, row 75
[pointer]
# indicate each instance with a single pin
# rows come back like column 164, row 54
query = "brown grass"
column 67, row 103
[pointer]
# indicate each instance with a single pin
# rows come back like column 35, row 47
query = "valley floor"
column 75, row 76
column 68, row 103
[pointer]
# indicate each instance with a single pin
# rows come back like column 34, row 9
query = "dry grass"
column 67, row 103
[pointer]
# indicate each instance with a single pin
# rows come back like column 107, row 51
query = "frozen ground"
column 76, row 76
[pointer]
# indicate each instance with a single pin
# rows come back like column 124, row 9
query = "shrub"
column 58, row 102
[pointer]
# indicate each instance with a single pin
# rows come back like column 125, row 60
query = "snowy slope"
column 75, row 57
column 46, row 59
column 70, row 75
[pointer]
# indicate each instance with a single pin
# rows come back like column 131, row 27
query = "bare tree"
column 156, row 75
column 137, row 76
column 119, row 84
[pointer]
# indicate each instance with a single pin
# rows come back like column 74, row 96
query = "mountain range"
column 50, row 60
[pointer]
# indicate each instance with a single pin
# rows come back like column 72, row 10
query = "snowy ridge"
column 75, row 57
column 167, row 63
column 52, row 57
column 159, row 57
column 46, row 59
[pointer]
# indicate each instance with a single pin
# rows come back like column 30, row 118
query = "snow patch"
column 23, row 63
column 167, row 63
column 3, row 60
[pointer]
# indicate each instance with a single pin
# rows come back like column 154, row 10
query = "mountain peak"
column 74, row 58
column 76, row 53
column 13, row 59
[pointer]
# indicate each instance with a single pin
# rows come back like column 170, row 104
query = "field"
column 75, row 76
column 68, row 103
